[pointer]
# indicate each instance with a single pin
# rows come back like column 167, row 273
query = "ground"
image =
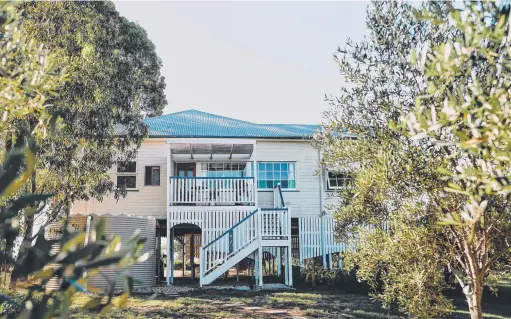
column 302, row 303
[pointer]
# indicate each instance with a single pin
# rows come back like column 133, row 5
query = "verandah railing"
column 211, row 190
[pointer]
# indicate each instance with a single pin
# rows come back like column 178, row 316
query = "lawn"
column 213, row 304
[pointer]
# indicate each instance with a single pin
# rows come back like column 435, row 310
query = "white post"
column 260, row 250
column 260, row 260
column 171, row 256
column 289, row 266
column 255, row 173
column 279, row 260
column 286, row 265
column 300, row 243
column 168, row 248
column 323, row 240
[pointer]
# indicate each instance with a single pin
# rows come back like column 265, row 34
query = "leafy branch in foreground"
column 74, row 262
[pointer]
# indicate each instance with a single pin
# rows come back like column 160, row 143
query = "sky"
column 264, row 62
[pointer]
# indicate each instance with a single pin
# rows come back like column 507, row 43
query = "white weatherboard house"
column 246, row 188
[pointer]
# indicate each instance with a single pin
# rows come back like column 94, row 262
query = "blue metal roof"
column 193, row 123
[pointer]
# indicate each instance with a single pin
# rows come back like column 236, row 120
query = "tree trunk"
column 473, row 294
column 27, row 233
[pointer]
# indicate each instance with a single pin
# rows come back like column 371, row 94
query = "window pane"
column 276, row 175
column 126, row 167
column 261, row 166
column 156, row 176
column 276, row 166
column 284, row 175
column 127, row 181
column 262, row 184
column 284, row 166
column 269, row 175
column 148, row 174
column 292, row 184
column 284, row 184
column 261, row 175
column 269, row 166
column 291, row 166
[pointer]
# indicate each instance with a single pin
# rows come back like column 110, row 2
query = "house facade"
column 244, row 189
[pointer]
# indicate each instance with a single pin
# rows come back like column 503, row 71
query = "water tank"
column 123, row 226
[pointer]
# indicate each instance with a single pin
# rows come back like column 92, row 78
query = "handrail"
column 230, row 229
column 280, row 193
column 202, row 177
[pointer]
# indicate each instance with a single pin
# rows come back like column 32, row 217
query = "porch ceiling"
column 211, row 150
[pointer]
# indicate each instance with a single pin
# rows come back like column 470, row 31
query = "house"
column 233, row 189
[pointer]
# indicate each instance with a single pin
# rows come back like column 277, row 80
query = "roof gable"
column 197, row 124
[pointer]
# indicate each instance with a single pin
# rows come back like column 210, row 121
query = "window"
column 127, row 181
column 338, row 180
column 127, row 174
column 231, row 169
column 272, row 173
column 152, row 175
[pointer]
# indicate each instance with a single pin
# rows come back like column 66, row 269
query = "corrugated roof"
column 193, row 123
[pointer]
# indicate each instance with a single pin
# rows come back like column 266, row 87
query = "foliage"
column 465, row 113
column 415, row 284
column 74, row 262
column 429, row 184
column 314, row 272
column 112, row 82
column 28, row 79
column 393, row 178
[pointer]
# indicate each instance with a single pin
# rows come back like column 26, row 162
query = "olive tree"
column 403, row 203
column 465, row 114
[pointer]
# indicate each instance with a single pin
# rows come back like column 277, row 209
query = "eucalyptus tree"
column 30, row 74
column 112, row 80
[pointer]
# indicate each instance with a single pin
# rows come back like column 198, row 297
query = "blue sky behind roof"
column 194, row 123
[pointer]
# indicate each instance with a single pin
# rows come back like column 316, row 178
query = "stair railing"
column 229, row 243
column 278, row 198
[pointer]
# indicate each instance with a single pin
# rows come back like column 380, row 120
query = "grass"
column 300, row 304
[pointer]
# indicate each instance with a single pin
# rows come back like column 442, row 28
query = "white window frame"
column 135, row 173
column 203, row 172
column 333, row 188
column 283, row 189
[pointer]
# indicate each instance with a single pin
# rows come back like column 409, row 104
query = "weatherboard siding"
column 304, row 201
column 145, row 200
column 151, row 200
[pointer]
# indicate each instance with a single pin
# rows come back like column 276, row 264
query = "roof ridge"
column 201, row 112
column 221, row 116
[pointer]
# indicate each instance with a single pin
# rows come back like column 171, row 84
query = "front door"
column 186, row 169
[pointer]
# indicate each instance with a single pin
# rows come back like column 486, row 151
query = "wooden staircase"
column 264, row 227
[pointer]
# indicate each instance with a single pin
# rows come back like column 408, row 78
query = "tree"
column 465, row 113
column 113, row 82
column 397, row 200
column 28, row 77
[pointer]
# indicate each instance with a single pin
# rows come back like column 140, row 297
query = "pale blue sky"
column 265, row 62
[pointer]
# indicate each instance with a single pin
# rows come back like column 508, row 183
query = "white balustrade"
column 211, row 190
column 275, row 223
